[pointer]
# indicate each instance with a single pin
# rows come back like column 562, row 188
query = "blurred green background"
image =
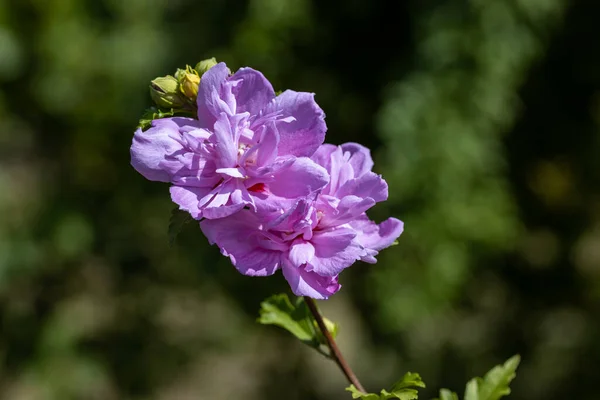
column 484, row 117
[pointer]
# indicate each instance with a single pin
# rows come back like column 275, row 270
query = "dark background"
column 483, row 116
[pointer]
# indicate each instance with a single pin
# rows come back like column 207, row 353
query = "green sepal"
column 404, row 389
column 153, row 113
column 178, row 219
column 297, row 319
column 165, row 93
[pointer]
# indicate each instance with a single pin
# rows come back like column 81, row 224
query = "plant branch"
column 335, row 351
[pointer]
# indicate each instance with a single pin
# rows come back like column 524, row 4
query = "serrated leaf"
column 178, row 219
column 404, row 389
column 495, row 384
column 446, row 394
column 409, row 380
column 357, row 394
column 405, row 394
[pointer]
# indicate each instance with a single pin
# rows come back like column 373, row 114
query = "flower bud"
column 188, row 82
column 165, row 92
column 205, row 65
column 179, row 74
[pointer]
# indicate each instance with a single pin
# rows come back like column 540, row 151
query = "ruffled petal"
column 228, row 199
column 225, row 143
column 369, row 185
column 271, row 207
column 204, row 202
column 360, row 158
column 197, row 171
column 301, row 253
column 238, row 238
column 221, row 211
column 299, row 217
column 349, row 167
column 347, row 209
column 230, row 173
column 303, row 135
column 160, row 152
column 335, row 250
column 208, row 104
column 340, row 171
column 374, row 237
column 323, row 155
column 299, row 179
column 267, row 148
column 308, row 283
column 191, row 199
column 265, row 173
column 253, row 92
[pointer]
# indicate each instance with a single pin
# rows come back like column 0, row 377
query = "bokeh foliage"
column 484, row 116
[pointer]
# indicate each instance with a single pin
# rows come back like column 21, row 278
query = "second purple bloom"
column 313, row 239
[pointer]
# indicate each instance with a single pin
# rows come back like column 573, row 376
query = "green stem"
column 336, row 354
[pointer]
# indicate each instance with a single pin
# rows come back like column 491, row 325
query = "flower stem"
column 335, row 351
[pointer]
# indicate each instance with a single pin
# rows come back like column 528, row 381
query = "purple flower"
column 352, row 190
column 246, row 144
column 314, row 238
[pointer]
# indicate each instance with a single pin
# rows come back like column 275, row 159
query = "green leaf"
column 446, row 394
column 357, row 394
column 297, row 319
column 494, row 384
column 404, row 389
column 409, row 380
column 178, row 219
column 278, row 310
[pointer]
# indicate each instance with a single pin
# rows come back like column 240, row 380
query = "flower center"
column 242, row 148
column 246, row 157
column 258, row 188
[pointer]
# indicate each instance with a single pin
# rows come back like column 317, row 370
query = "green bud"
column 165, row 92
column 179, row 74
column 188, row 82
column 205, row 65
